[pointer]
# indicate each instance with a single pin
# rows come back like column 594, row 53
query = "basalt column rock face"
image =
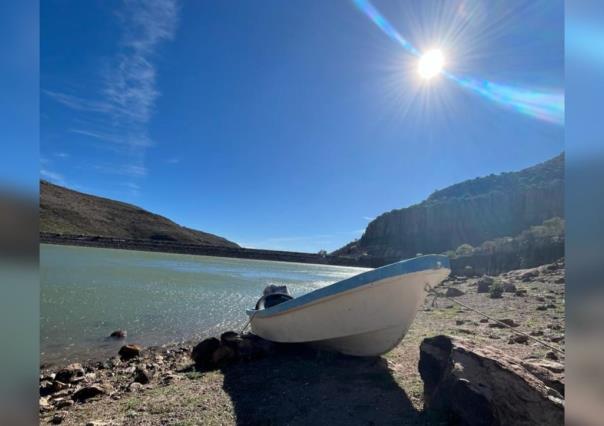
column 470, row 212
column 480, row 385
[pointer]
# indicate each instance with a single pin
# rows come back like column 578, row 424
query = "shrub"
column 464, row 250
column 496, row 290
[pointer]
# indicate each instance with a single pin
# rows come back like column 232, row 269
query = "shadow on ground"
column 300, row 386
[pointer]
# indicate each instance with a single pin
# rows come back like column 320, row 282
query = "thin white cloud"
column 132, row 170
column 173, row 161
column 127, row 100
column 61, row 154
column 368, row 218
column 53, row 177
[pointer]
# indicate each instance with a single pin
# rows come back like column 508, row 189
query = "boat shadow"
column 299, row 385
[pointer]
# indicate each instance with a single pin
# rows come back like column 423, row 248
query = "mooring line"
column 436, row 294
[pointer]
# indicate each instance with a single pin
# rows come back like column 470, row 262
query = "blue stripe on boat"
column 417, row 264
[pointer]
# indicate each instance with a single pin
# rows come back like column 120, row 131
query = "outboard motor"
column 273, row 295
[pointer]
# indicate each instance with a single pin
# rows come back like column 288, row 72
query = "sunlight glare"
column 431, row 64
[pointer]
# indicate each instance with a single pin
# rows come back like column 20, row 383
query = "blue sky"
column 288, row 125
column 19, row 100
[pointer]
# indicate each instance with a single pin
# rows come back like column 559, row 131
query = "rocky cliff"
column 67, row 212
column 469, row 212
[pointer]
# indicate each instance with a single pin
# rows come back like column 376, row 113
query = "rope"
column 436, row 294
column 248, row 322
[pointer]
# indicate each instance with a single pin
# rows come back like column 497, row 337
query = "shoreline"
column 214, row 251
column 301, row 387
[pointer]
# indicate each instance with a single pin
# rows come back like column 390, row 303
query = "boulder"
column 72, row 373
column 454, row 292
column 480, row 385
column 128, row 352
column 484, row 284
column 508, row 287
column 203, row 351
column 88, row 392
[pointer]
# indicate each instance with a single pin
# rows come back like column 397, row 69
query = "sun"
column 431, row 64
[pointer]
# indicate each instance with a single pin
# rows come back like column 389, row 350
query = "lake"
column 158, row 298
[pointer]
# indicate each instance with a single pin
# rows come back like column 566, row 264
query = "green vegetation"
column 496, row 290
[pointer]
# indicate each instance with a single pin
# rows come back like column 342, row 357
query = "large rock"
column 476, row 385
column 203, row 352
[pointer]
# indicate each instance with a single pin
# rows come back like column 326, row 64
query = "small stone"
column 63, row 403
column 118, row 334
column 518, row 338
column 44, row 405
column 507, row 321
column 521, row 292
column 542, row 308
column 170, row 378
column 96, row 423
column 556, row 339
column 88, row 392
column 141, row 375
column 529, row 275
column 552, row 355
column 536, row 333
column 135, row 387
column 454, row 292
column 459, row 322
column 71, row 373
column 128, row 352
column 59, row 417
column 483, row 320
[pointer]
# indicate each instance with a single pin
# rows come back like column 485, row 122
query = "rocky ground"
column 296, row 385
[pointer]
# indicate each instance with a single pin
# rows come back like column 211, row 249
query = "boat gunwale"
column 403, row 267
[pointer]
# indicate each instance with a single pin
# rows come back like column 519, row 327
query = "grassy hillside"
column 64, row 211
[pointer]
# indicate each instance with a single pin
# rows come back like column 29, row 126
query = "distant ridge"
column 67, row 212
column 470, row 212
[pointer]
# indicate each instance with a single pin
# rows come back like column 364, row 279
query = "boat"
column 364, row 315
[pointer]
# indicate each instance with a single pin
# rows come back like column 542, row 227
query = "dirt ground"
column 299, row 386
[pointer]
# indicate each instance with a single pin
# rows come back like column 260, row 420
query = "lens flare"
column 546, row 105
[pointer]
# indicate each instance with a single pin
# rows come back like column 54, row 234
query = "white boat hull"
column 366, row 320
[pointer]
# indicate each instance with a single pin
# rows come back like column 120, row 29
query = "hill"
column 67, row 212
column 469, row 212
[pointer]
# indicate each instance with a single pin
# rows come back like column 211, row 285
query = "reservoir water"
column 158, row 298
